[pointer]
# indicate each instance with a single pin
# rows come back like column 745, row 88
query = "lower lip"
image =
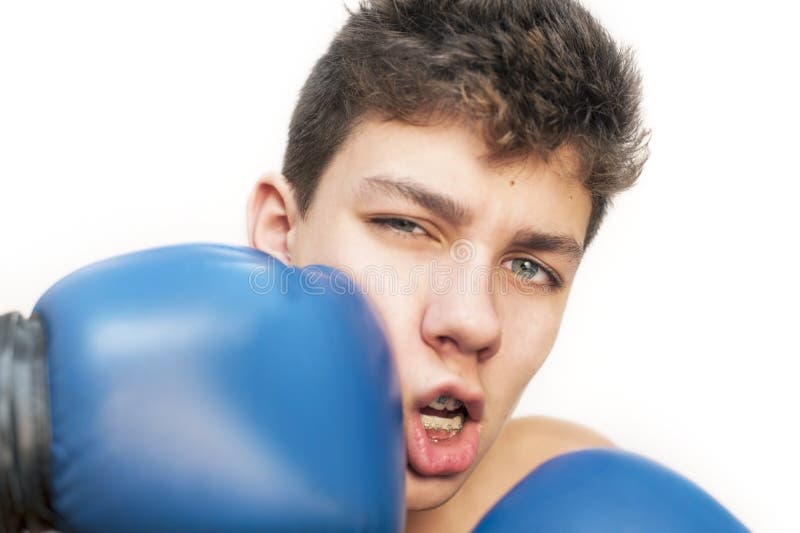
column 445, row 456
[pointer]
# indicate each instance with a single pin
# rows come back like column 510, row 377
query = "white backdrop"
column 140, row 124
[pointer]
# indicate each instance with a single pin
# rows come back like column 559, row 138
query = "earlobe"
column 271, row 214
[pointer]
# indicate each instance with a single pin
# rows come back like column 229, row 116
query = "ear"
column 271, row 216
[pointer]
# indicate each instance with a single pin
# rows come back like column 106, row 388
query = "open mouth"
column 443, row 418
column 442, row 436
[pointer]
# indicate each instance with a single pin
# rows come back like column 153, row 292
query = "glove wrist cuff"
column 24, row 423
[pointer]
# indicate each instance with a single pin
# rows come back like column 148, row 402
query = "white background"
column 146, row 123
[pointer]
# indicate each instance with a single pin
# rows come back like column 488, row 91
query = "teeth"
column 439, row 403
column 443, row 424
column 453, row 404
column 445, row 402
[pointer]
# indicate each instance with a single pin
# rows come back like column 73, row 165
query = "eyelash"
column 386, row 223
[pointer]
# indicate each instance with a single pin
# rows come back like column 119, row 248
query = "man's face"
column 454, row 254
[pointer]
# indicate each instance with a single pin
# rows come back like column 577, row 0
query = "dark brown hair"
column 532, row 75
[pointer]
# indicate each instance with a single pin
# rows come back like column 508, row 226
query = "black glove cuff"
column 24, row 424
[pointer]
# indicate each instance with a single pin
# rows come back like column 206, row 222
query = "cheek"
column 330, row 238
column 401, row 318
column 527, row 341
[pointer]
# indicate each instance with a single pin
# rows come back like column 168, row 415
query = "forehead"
column 452, row 160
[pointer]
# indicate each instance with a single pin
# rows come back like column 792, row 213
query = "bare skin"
column 397, row 199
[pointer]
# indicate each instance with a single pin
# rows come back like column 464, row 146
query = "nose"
column 462, row 317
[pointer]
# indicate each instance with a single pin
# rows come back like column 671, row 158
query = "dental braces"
column 440, row 427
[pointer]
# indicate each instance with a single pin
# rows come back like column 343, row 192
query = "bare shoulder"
column 547, row 434
column 527, row 442
column 524, row 444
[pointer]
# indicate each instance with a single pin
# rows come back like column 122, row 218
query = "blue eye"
column 533, row 274
column 400, row 225
column 525, row 268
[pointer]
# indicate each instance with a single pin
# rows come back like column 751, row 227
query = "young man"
column 445, row 140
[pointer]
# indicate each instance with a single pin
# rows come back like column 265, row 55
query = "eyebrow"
column 459, row 215
column 558, row 243
column 443, row 206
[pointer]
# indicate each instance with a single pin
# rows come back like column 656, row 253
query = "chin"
column 428, row 492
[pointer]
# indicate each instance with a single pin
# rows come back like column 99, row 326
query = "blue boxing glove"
column 200, row 388
column 603, row 490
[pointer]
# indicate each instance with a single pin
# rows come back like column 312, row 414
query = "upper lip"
column 470, row 395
